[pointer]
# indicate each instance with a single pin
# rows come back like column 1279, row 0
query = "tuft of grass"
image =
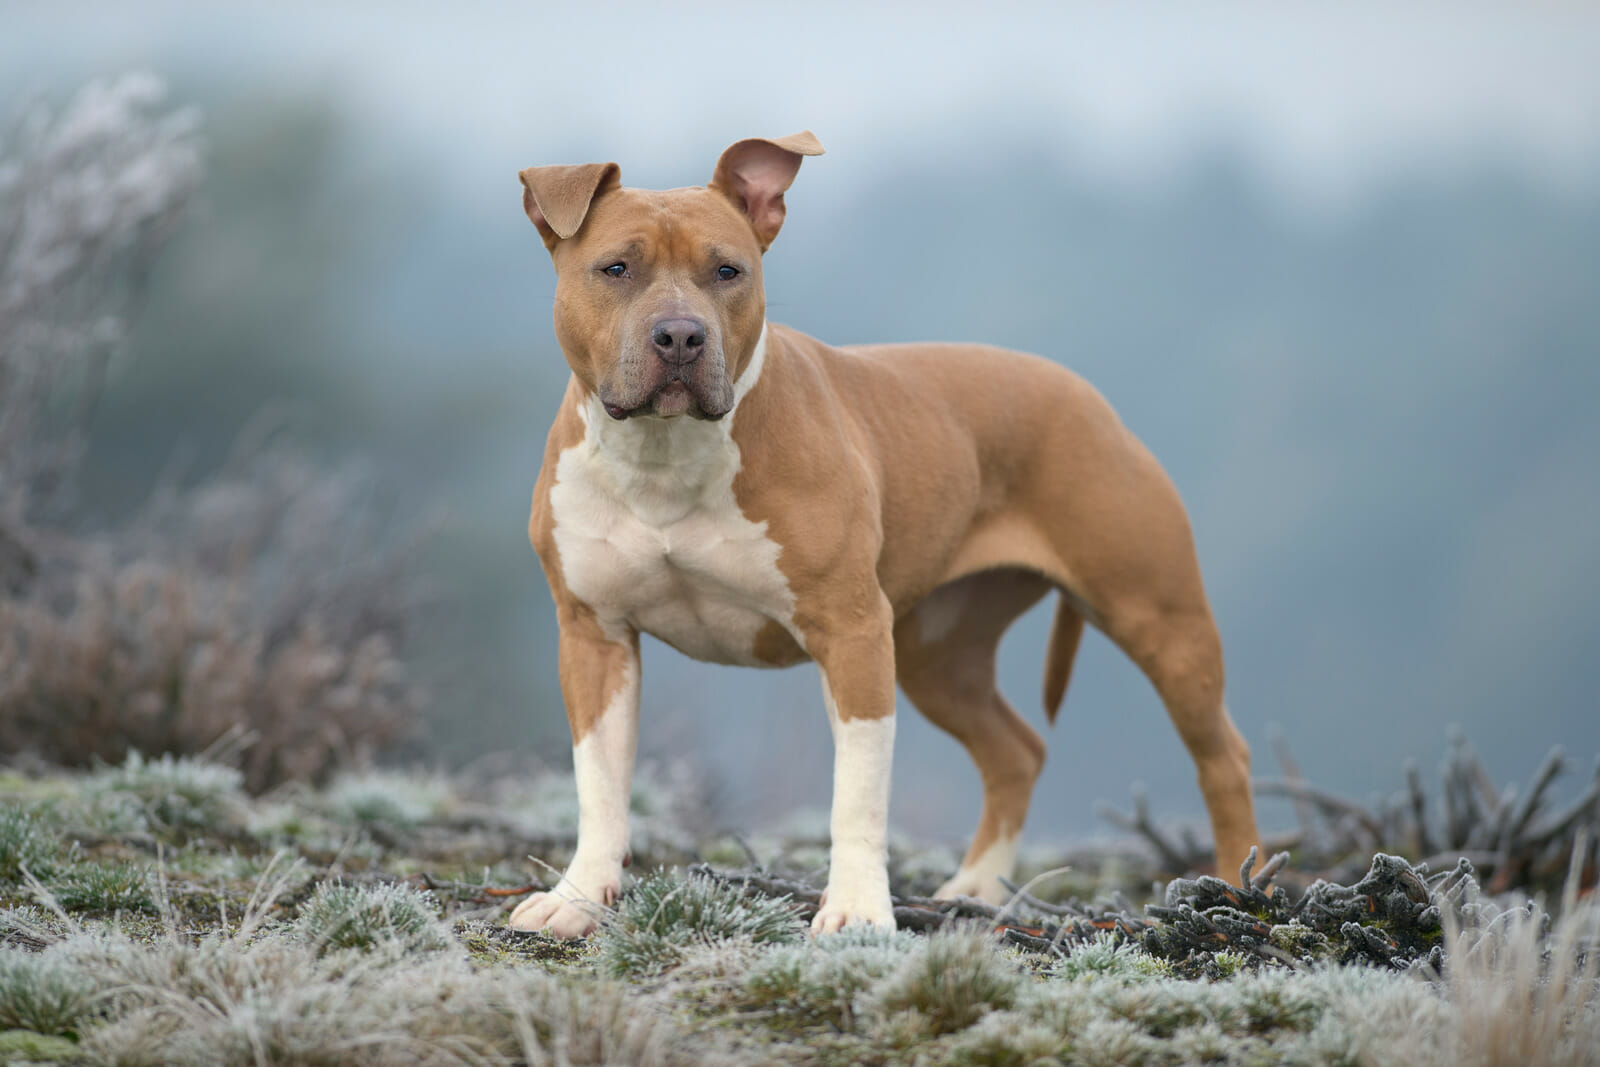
column 590, row 1024
column 43, row 993
column 1522, row 997
column 1268, row 1002
column 1108, row 1042
column 104, row 888
column 817, row 984
column 1228, row 964
column 25, row 842
column 387, row 798
column 1003, row 1038
column 957, row 978
column 1104, row 958
column 172, row 793
column 274, row 999
column 23, row 1047
column 1358, row 1015
column 664, row 913
column 340, row 916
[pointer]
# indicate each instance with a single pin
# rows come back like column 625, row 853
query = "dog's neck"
column 667, row 466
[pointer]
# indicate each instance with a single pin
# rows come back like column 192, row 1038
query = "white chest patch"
column 650, row 534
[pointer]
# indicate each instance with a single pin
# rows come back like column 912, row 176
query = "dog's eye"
column 727, row 273
column 616, row 270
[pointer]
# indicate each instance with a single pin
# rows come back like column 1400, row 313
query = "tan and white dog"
column 752, row 496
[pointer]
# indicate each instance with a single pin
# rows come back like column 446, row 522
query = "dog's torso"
column 702, row 534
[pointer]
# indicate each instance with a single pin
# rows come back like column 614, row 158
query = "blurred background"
column 1339, row 267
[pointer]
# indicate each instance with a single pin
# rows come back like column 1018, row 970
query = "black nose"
column 679, row 341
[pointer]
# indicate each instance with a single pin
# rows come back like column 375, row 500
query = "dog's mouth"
column 671, row 399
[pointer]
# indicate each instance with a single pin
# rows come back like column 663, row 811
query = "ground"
column 152, row 912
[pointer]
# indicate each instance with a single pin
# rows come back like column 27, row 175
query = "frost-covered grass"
column 26, row 844
column 43, row 993
column 665, row 915
column 153, row 914
column 105, row 888
column 363, row 917
column 954, row 998
column 386, row 797
column 169, row 793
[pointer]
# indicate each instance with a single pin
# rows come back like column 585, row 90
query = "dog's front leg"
column 600, row 685
column 858, row 689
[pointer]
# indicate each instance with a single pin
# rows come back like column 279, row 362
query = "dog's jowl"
column 752, row 496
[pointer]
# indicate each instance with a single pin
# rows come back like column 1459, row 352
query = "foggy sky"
column 1327, row 96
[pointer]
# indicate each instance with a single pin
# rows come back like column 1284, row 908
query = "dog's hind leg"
column 1128, row 557
column 1181, row 653
column 945, row 664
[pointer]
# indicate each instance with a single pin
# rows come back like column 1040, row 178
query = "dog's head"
column 659, row 301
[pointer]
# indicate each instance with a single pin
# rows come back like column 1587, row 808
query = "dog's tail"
column 1063, row 648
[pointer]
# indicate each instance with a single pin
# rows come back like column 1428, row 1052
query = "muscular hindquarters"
column 1025, row 465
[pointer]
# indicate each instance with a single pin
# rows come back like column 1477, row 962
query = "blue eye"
column 616, row 270
column 727, row 273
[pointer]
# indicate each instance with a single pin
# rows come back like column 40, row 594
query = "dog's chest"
column 650, row 535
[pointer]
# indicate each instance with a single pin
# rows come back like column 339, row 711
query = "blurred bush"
column 269, row 601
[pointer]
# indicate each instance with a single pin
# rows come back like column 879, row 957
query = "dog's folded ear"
column 557, row 198
column 755, row 174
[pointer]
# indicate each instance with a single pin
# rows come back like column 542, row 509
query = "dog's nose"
column 679, row 341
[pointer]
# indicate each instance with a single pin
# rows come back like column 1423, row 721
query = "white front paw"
column 842, row 908
column 573, row 908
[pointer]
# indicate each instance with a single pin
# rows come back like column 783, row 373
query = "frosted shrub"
column 26, row 843
column 42, row 993
column 172, row 793
column 818, row 983
column 105, row 888
column 955, row 979
column 87, row 197
column 275, row 1001
column 1104, row 958
column 389, row 798
column 363, row 917
column 663, row 913
column 271, row 599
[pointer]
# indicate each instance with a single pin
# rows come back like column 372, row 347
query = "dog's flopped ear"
column 755, row 174
column 557, row 198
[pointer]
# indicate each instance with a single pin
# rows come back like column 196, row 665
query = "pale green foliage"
column 171, row 793
column 1370, row 1016
column 25, row 842
column 22, row 1047
column 35, row 923
column 273, row 994
column 1227, row 964
column 956, row 999
column 104, row 887
column 1003, row 1038
column 664, row 913
column 1103, row 958
column 42, row 993
column 388, row 797
column 368, row 974
column 817, row 983
column 363, row 917
column 275, row 1000
column 955, row 979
